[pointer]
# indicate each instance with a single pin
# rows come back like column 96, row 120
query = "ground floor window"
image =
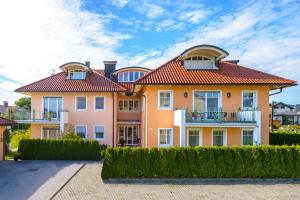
column 194, row 137
column 219, row 138
column 81, row 130
column 50, row 132
column 99, row 132
column 247, row 137
column 165, row 137
column 128, row 135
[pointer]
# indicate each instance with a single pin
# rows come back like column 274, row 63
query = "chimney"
column 109, row 68
column 5, row 103
column 87, row 63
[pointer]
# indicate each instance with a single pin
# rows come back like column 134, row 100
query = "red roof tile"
column 173, row 72
column 6, row 122
column 95, row 82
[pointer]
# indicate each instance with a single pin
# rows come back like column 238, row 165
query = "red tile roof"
column 173, row 72
column 95, row 82
column 6, row 122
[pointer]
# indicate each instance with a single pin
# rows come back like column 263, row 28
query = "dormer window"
column 130, row 76
column 77, row 75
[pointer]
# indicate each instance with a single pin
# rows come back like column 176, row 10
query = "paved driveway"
column 87, row 184
column 34, row 179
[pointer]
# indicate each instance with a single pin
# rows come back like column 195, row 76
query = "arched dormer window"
column 76, row 70
column 202, row 57
column 130, row 74
column 77, row 74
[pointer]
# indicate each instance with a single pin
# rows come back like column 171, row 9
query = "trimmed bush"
column 203, row 162
column 284, row 138
column 50, row 149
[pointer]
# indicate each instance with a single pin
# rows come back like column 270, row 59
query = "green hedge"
column 203, row 162
column 284, row 138
column 50, row 149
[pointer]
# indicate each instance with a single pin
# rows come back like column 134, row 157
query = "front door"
column 128, row 135
column 194, row 137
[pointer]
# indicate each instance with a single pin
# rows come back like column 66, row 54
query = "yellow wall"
column 2, row 128
column 164, row 118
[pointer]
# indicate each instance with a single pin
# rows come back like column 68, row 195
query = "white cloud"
column 119, row 3
column 194, row 16
column 39, row 35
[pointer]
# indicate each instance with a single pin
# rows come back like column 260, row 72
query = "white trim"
column 255, row 100
column 242, row 138
column 224, row 135
column 99, row 110
column 171, row 100
column 86, row 133
column 42, row 105
column 171, row 137
column 200, row 136
column 193, row 98
column 94, row 132
column 51, row 125
column 129, row 111
column 81, row 110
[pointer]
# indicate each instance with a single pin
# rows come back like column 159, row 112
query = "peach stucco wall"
column 164, row 118
column 2, row 142
column 90, row 117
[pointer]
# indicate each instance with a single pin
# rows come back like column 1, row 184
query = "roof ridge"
column 16, row 90
column 261, row 72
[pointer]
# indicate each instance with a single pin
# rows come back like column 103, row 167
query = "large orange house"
column 195, row 99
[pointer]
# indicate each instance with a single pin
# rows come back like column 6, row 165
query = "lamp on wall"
column 228, row 94
column 185, row 94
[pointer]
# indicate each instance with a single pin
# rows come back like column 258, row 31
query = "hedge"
column 50, row 149
column 203, row 162
column 284, row 138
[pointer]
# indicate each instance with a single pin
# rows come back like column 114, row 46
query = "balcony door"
column 128, row 135
column 52, row 107
column 206, row 103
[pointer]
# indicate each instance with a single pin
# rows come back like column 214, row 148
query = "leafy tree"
column 23, row 102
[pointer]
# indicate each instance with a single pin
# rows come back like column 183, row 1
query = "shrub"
column 50, row 149
column 284, row 138
column 18, row 135
column 203, row 162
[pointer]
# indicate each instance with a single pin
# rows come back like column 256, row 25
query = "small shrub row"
column 50, row 149
column 284, row 138
column 203, row 162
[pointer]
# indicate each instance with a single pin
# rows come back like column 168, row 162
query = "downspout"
column 280, row 90
column 113, row 119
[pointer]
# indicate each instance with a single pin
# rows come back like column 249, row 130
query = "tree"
column 23, row 102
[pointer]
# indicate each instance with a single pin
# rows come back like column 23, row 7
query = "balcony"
column 36, row 117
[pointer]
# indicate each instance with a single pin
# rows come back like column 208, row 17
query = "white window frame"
column 80, row 110
column 242, row 134
column 86, row 133
column 47, row 126
column 78, row 72
column 255, row 100
column 219, row 99
column 94, row 132
column 200, row 135
column 42, row 106
column 99, row 110
column 128, row 100
column 171, row 99
column 171, row 137
column 224, row 135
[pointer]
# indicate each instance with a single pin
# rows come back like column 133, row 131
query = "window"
column 99, row 132
column 165, row 100
column 206, row 101
column 77, row 75
column 165, row 137
column 247, row 137
column 81, row 131
column 129, row 76
column 81, row 103
column 128, row 135
column 219, row 138
column 99, row 103
column 50, row 132
column 128, row 105
column 194, row 137
column 52, row 106
column 197, row 58
column 249, row 100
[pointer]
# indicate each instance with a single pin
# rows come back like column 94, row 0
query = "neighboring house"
column 286, row 114
column 4, row 108
column 194, row 99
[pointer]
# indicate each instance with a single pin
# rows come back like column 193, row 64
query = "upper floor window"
column 99, row 103
column 129, row 76
column 165, row 99
column 128, row 105
column 81, row 103
column 52, row 106
column 249, row 100
column 197, row 58
column 77, row 75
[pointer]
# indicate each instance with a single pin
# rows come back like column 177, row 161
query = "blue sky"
column 39, row 36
